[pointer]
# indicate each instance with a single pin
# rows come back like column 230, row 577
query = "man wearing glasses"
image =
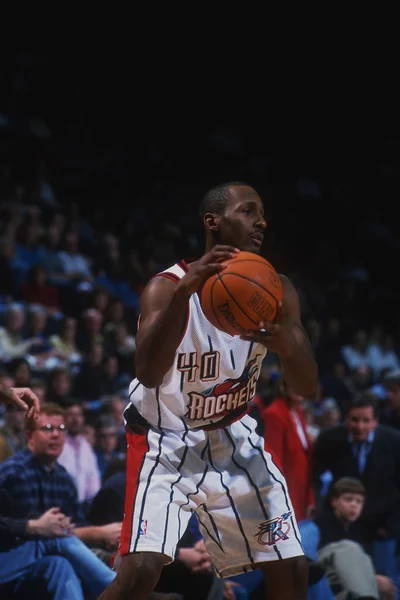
column 43, row 519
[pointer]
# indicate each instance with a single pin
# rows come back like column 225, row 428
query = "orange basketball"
column 246, row 292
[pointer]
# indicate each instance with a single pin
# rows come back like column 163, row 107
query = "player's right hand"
column 206, row 266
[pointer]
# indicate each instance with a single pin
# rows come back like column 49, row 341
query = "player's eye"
column 248, row 211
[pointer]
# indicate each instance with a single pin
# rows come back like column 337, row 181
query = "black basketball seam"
column 239, row 307
column 252, row 281
column 212, row 301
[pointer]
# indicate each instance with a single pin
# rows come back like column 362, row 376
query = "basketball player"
column 191, row 445
column 21, row 398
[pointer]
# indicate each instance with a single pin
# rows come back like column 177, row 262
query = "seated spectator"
column 20, row 371
column 90, row 330
column 365, row 450
column 78, row 457
column 115, row 406
column 37, row 290
column 343, row 548
column 390, row 414
column 38, row 484
column 106, row 443
column 12, row 342
column 330, row 414
column 12, row 433
column 383, row 356
column 65, row 341
column 59, row 386
column 39, row 387
column 88, row 383
column 74, row 264
column 121, row 344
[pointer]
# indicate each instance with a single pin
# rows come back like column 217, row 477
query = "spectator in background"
column 357, row 354
column 363, row 449
column 90, row 330
column 37, row 290
column 65, row 341
column 383, row 356
column 39, row 387
column 88, row 383
column 59, row 386
column 36, row 483
column 390, row 415
column 106, row 443
column 12, row 433
column 78, row 456
column 20, row 371
column 115, row 406
column 74, row 264
column 330, row 413
column 286, row 435
column 12, row 342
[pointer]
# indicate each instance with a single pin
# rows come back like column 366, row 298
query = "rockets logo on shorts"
column 143, row 527
column 274, row 530
column 224, row 397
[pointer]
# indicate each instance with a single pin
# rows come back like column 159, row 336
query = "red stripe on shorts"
column 137, row 449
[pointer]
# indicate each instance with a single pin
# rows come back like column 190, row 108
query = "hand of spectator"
column 197, row 559
column 111, row 535
column 21, row 398
column 52, row 523
column 386, row 587
column 229, row 593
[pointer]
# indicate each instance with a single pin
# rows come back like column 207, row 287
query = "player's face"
column 242, row 224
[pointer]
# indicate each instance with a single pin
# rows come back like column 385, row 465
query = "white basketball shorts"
column 237, row 492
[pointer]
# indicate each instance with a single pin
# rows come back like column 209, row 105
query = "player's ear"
column 211, row 221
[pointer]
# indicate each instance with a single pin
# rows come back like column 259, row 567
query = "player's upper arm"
column 156, row 295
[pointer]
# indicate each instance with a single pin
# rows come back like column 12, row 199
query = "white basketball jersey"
column 212, row 380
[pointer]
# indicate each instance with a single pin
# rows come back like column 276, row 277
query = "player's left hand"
column 277, row 336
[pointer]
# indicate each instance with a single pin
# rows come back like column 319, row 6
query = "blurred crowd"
column 71, row 280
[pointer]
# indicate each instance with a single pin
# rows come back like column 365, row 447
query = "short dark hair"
column 215, row 200
column 364, row 400
column 346, row 485
column 50, row 409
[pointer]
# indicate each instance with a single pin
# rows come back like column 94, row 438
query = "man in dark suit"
column 363, row 449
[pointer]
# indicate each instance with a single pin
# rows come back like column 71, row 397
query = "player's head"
column 233, row 214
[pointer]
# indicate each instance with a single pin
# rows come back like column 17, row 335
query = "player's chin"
column 252, row 246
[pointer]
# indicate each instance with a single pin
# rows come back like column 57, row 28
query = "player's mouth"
column 257, row 238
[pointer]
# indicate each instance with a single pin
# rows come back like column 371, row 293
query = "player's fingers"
column 270, row 329
column 18, row 402
column 27, row 394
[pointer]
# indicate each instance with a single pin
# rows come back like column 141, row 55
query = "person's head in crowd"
column 37, row 320
column 330, row 413
column 339, row 370
column 362, row 377
column 53, row 237
column 106, row 434
column 71, row 241
column 100, row 299
column 68, row 328
column 7, row 379
column 110, row 367
column 115, row 311
column 39, row 387
column 391, row 382
column 30, row 234
column 92, row 321
column 362, row 417
column 96, row 354
column 89, row 433
column 333, row 328
column 15, row 419
column 59, row 385
column 74, row 418
column 346, row 498
column 37, row 275
column 14, row 318
column 20, row 371
column 46, row 434
column 115, row 407
column 360, row 340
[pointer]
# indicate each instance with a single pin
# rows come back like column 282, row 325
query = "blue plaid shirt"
column 34, row 488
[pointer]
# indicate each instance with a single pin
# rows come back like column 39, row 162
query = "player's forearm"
column 156, row 349
column 300, row 371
